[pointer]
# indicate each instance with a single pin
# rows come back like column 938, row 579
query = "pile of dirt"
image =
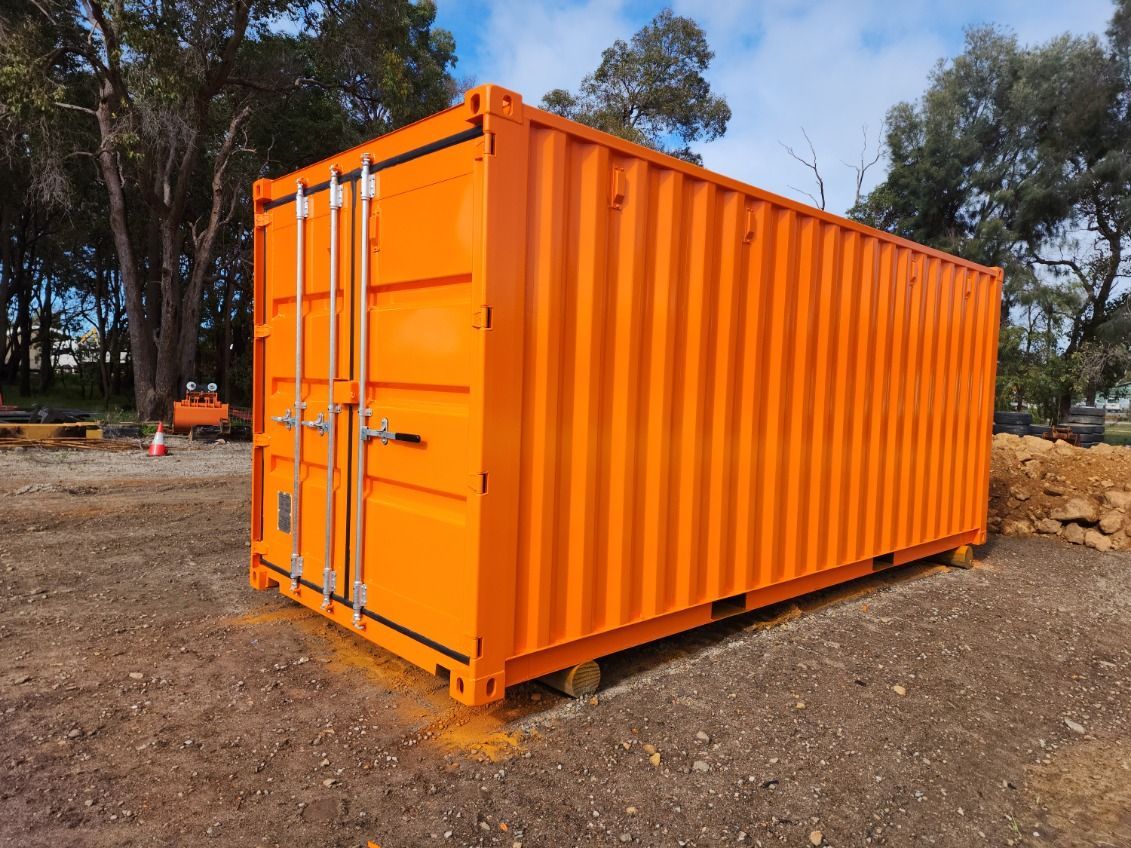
column 1082, row 495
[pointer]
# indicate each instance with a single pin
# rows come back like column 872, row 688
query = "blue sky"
column 832, row 66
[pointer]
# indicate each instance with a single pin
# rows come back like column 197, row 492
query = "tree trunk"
column 141, row 337
column 46, row 348
column 23, row 321
column 224, row 345
column 1064, row 405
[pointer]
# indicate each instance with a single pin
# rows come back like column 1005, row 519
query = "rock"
column 1111, row 521
column 1016, row 527
column 701, row 765
column 74, row 733
column 20, row 679
column 899, row 690
column 1053, row 489
column 630, row 811
column 330, row 781
column 655, row 759
column 1118, row 499
column 136, row 675
column 1073, row 726
column 1020, row 493
column 649, row 748
column 1119, row 541
column 816, row 837
column 1073, row 533
column 1048, row 525
column 1097, row 541
column 1079, row 508
column 702, row 737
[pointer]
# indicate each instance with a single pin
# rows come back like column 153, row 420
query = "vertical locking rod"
column 362, row 410
column 301, row 210
column 331, row 408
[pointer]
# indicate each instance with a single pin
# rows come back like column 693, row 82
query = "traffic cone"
column 157, row 446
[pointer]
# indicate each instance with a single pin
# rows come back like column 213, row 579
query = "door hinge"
column 477, row 483
column 481, row 318
column 262, row 219
column 261, row 440
column 262, row 331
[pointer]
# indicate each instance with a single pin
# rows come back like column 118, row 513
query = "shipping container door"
column 306, row 451
column 414, row 354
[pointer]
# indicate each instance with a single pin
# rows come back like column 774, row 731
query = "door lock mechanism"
column 287, row 419
column 386, row 435
column 320, row 424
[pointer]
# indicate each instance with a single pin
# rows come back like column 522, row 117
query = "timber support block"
column 577, row 681
column 960, row 557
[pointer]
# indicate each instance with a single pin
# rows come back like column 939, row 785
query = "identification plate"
column 284, row 512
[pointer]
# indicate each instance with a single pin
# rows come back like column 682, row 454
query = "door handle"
column 386, row 435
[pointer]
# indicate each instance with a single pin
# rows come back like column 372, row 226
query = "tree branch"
column 811, row 164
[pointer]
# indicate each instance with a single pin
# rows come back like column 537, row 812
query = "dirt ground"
column 150, row 698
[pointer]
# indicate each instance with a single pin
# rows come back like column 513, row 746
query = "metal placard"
column 284, row 519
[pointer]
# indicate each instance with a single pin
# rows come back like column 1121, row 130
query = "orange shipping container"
column 527, row 394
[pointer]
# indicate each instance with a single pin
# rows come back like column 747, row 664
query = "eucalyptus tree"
column 172, row 91
column 1021, row 157
column 651, row 89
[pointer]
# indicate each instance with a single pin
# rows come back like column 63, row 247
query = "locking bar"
column 302, row 210
column 386, row 435
column 367, row 191
column 327, row 424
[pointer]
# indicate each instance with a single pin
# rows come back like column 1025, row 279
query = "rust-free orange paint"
column 646, row 395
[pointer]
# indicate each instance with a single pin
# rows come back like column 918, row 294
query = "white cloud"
column 535, row 46
column 828, row 65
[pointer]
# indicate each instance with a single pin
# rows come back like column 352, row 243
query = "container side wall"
column 723, row 391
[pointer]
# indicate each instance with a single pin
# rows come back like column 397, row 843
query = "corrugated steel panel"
column 649, row 395
column 723, row 391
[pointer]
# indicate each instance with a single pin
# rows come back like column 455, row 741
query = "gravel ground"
column 150, row 698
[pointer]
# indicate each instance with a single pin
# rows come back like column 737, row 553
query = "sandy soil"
column 150, row 698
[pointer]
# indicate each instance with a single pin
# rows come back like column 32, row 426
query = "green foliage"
column 1020, row 157
column 137, row 129
column 651, row 90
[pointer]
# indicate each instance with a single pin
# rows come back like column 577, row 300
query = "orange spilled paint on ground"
column 430, row 715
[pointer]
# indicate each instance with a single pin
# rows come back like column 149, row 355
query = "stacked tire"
column 1017, row 423
column 1087, row 422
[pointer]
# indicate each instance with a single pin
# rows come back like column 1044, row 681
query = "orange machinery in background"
column 200, row 408
column 526, row 394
